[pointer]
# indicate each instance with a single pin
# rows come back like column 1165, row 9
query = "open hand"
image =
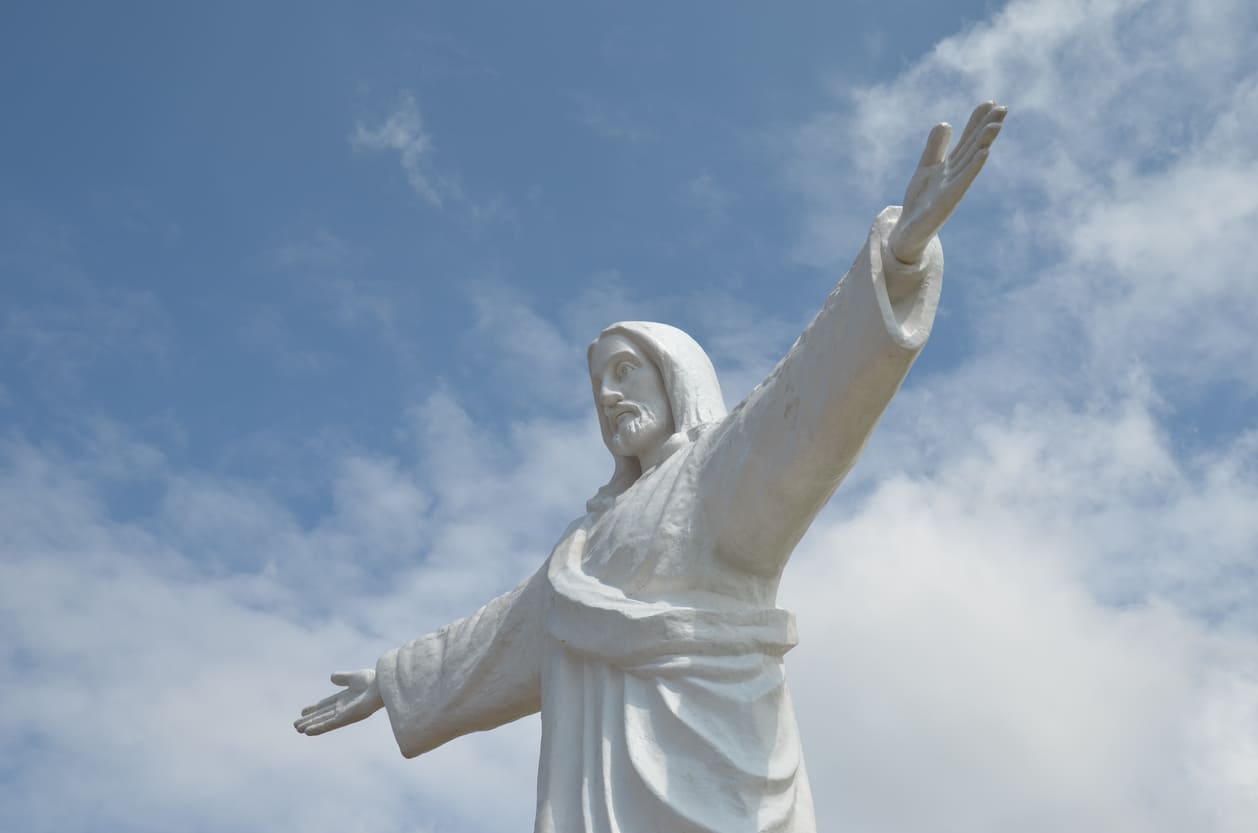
column 939, row 183
column 360, row 699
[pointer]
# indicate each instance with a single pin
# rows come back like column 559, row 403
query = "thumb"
column 936, row 144
column 344, row 678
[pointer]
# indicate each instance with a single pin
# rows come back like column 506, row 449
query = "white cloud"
column 522, row 354
column 1114, row 205
column 961, row 641
column 154, row 665
column 1032, row 605
column 403, row 131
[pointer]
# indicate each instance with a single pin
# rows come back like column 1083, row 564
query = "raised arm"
column 782, row 452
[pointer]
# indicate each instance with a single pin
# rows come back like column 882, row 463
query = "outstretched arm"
column 780, row 454
column 477, row 673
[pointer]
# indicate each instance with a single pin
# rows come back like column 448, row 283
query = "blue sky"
column 293, row 308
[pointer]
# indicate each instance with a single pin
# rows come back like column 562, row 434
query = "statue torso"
column 655, row 542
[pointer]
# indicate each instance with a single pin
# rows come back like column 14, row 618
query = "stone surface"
column 650, row 639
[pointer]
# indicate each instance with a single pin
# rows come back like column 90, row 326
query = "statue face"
column 633, row 399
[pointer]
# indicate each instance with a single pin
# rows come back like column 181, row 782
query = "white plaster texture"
column 650, row 639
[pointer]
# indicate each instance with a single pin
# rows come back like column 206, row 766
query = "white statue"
column 650, row 639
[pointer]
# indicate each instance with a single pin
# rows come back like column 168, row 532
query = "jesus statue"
column 650, row 640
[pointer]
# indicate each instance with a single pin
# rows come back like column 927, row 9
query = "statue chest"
column 648, row 542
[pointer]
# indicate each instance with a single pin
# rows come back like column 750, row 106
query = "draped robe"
column 650, row 639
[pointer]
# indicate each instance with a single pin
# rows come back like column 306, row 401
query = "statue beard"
column 634, row 436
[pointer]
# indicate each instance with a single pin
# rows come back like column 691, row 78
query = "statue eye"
column 624, row 369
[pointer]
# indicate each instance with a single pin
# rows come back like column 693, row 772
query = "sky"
column 294, row 301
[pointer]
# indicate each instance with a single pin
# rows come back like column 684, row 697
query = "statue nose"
column 608, row 395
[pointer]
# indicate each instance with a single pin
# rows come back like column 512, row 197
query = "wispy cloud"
column 319, row 250
column 326, row 271
column 708, row 201
column 1116, row 195
column 610, row 121
column 58, row 321
column 403, row 131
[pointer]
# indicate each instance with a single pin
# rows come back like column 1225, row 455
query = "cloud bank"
column 1032, row 605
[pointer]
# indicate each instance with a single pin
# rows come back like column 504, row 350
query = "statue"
column 650, row 639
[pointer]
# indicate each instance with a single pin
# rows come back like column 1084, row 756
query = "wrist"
column 901, row 278
column 909, row 257
column 374, row 698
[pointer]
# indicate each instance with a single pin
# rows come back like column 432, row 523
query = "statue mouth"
column 618, row 414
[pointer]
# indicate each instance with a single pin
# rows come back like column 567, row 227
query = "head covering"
column 694, row 394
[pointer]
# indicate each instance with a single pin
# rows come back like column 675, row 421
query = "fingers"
column 323, row 716
column 977, row 163
column 936, row 145
column 982, row 142
column 318, row 727
column 959, row 180
column 990, row 132
column 326, row 701
column 977, row 136
column 980, row 131
column 980, row 114
column 304, row 723
column 975, row 133
column 966, row 141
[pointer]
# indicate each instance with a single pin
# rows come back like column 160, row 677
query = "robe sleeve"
column 779, row 456
column 474, row 674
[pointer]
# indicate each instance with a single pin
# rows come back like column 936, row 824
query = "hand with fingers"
column 939, row 183
column 360, row 699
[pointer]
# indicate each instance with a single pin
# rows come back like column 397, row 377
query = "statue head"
column 655, row 390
